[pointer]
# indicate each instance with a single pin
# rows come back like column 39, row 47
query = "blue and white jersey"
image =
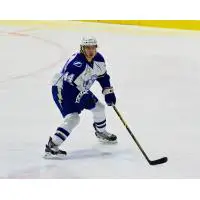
column 78, row 75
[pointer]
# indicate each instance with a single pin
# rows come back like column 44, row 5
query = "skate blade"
column 50, row 156
column 102, row 141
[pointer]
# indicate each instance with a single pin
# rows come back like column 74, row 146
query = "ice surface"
column 156, row 76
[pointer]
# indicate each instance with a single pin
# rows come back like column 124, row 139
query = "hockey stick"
column 151, row 162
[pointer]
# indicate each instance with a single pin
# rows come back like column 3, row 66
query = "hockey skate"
column 105, row 137
column 53, row 152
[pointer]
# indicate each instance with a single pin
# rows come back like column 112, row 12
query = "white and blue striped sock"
column 100, row 126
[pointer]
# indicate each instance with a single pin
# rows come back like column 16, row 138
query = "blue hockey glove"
column 109, row 96
column 87, row 101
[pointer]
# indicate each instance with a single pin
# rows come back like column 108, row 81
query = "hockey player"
column 71, row 93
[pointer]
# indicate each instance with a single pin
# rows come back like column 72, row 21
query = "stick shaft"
column 130, row 132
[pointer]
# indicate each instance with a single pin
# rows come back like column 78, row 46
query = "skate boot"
column 53, row 152
column 105, row 136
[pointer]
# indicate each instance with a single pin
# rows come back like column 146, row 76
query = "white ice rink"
column 156, row 76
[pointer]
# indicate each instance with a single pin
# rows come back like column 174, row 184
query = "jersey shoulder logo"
column 77, row 64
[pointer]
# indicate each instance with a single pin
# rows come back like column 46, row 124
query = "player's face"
column 90, row 51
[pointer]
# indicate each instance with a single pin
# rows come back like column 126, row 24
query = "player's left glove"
column 109, row 96
column 87, row 101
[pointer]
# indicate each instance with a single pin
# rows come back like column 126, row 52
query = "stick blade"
column 159, row 161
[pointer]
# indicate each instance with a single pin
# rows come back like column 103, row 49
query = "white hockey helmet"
column 88, row 41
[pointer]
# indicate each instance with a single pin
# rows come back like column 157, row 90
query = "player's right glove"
column 110, row 98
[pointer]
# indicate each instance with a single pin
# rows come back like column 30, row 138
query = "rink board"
column 175, row 24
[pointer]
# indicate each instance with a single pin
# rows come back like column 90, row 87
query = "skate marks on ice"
column 98, row 151
column 80, row 154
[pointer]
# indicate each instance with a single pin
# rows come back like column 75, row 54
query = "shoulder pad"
column 77, row 60
column 99, row 57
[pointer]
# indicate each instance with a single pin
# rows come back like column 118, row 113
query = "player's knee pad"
column 99, row 111
column 99, row 107
column 71, row 121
